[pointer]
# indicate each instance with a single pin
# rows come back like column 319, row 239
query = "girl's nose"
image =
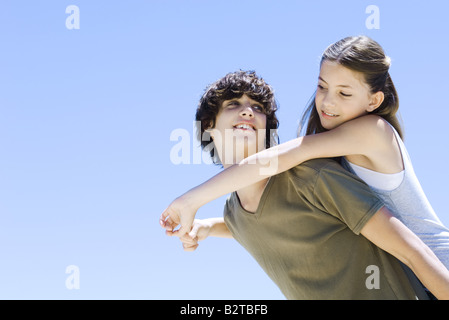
column 328, row 101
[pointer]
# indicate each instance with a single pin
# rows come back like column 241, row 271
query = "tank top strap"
column 406, row 160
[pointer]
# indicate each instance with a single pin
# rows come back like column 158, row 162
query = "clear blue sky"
column 86, row 118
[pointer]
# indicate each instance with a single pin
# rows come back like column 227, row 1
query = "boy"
column 315, row 229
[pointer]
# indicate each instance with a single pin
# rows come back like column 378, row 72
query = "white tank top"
column 383, row 181
column 402, row 194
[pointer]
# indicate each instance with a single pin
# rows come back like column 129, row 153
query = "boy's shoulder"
column 308, row 173
column 315, row 166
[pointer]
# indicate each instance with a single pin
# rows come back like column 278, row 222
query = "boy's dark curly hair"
column 234, row 85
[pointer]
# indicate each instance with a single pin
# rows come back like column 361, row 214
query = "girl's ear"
column 376, row 100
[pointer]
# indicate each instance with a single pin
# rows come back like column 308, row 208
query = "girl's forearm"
column 432, row 273
column 251, row 170
column 391, row 235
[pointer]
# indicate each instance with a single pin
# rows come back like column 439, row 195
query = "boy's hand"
column 177, row 213
column 199, row 232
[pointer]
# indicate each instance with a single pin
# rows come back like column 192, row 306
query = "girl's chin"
column 329, row 125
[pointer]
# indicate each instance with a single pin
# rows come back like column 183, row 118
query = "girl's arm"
column 361, row 136
column 389, row 234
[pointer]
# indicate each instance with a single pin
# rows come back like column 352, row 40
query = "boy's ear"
column 211, row 132
column 376, row 100
column 210, row 129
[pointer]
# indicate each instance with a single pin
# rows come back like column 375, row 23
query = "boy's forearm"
column 218, row 228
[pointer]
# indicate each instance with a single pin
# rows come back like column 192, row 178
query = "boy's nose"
column 247, row 111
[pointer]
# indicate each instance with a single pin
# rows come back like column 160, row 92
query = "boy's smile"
column 244, row 126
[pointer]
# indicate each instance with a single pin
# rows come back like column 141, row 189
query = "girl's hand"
column 179, row 212
column 200, row 231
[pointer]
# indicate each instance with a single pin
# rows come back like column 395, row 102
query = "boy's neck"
column 250, row 196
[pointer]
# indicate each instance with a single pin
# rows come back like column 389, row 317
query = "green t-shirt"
column 305, row 235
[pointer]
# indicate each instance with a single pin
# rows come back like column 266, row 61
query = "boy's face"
column 239, row 129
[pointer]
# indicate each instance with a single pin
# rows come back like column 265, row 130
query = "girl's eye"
column 320, row 87
column 345, row 94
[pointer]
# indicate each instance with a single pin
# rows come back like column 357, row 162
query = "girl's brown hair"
column 361, row 54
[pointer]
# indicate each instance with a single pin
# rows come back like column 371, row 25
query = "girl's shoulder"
column 372, row 127
column 371, row 121
column 382, row 150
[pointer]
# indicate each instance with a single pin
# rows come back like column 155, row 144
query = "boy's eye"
column 257, row 107
column 345, row 94
column 233, row 104
column 320, row 87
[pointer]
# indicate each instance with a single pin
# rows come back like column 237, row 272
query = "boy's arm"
column 201, row 229
column 343, row 140
column 389, row 234
column 216, row 228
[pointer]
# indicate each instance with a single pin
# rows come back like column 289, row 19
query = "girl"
column 353, row 115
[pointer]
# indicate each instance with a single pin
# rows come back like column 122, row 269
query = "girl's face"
column 342, row 95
